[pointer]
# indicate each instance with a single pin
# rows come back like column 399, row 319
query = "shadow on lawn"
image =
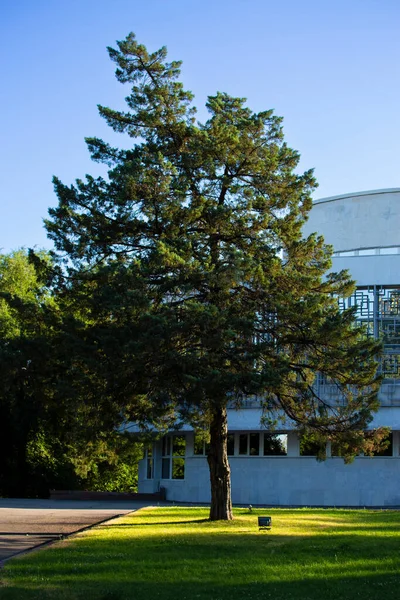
column 375, row 587
column 129, row 525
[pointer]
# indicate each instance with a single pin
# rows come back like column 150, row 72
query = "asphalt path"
column 26, row 524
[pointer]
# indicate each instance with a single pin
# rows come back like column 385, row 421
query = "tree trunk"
column 220, row 472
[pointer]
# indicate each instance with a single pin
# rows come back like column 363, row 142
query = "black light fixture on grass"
column 264, row 522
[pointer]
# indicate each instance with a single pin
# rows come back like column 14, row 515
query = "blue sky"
column 329, row 67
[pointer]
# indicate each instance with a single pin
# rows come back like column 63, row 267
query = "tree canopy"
column 195, row 285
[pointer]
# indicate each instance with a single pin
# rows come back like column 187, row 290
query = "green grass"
column 175, row 553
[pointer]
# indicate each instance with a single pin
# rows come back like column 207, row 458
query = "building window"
column 173, row 457
column 249, row 444
column 166, row 457
column 243, row 443
column 336, row 450
column 387, row 451
column 310, row 448
column 275, row 444
column 149, row 462
column 231, row 444
column 201, row 445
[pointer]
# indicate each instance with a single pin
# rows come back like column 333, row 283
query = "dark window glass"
column 254, row 444
column 231, row 444
column 275, row 444
column 166, row 446
column 178, row 445
column 201, row 445
column 149, row 468
column 389, row 450
column 178, row 468
column 309, row 448
column 243, row 438
column 335, row 449
column 198, row 445
column 165, row 468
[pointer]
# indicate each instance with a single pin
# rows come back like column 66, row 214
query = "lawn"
column 175, row 553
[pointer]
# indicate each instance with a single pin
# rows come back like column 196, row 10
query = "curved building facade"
column 364, row 230
column 276, row 469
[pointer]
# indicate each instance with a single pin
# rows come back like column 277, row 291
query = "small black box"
column 264, row 522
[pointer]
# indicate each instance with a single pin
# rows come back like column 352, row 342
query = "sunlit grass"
column 176, row 553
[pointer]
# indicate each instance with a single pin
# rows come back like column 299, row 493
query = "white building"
column 364, row 230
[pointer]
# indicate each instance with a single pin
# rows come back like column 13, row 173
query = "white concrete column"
column 293, row 444
column 396, row 443
column 328, row 449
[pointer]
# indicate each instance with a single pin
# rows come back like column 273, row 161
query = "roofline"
column 356, row 194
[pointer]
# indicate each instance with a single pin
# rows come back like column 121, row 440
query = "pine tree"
column 189, row 264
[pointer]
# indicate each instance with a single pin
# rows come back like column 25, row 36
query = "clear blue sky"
column 329, row 67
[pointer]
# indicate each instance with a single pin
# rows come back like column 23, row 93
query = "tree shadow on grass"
column 141, row 524
column 375, row 587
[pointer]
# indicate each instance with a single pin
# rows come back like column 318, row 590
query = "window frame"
column 169, row 457
column 205, row 446
column 149, row 458
column 315, row 444
column 248, row 452
column 274, row 434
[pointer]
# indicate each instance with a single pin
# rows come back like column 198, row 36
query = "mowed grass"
column 176, row 553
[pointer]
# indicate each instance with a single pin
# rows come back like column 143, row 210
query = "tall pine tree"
column 189, row 264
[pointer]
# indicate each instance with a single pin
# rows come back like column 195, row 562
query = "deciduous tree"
column 55, row 431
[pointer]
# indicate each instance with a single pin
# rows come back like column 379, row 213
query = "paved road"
column 25, row 524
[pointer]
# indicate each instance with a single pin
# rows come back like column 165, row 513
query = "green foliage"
column 109, row 464
column 18, row 280
column 26, row 358
column 190, row 274
column 53, row 434
column 48, row 466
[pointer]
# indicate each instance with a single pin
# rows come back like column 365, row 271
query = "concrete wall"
column 356, row 222
column 249, row 419
column 289, row 480
column 285, row 481
column 370, row 270
column 360, row 220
